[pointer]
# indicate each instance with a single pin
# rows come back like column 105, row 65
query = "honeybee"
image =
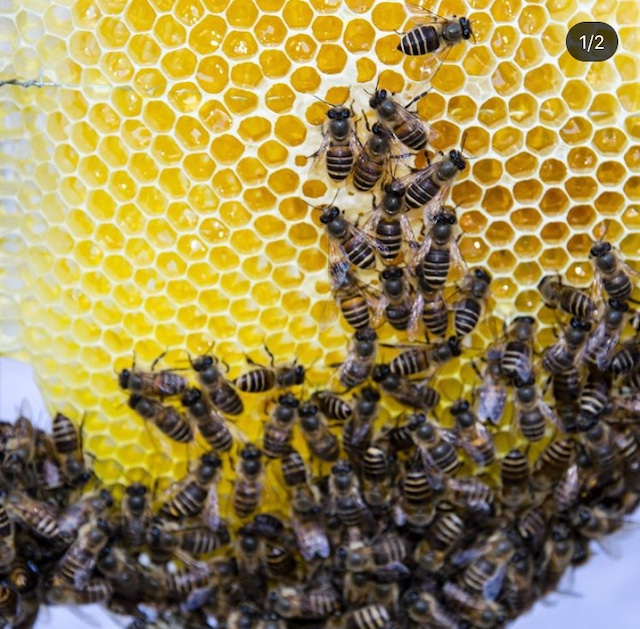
column 603, row 457
column 121, row 570
column 569, row 350
column 250, row 560
column 278, row 431
column 518, row 592
column 359, row 362
column 626, row 360
column 76, row 566
column 517, row 352
column 355, row 300
column 197, row 491
column 164, row 540
column 389, row 224
column 438, row 34
column 593, row 401
column 552, row 464
column 532, row 526
column 20, row 447
column 428, row 186
column 474, row 438
column 407, row 126
column 419, row 490
column 419, row 396
column 572, row 300
column 515, row 477
column 332, row 405
column 209, row 421
column 471, row 495
column 311, row 536
column 396, row 301
column 345, row 499
column 491, row 396
column 96, row 591
column 373, row 616
column 7, row 542
column 420, row 359
column 265, row 378
column 358, row 431
column 340, row 144
column 314, row 427
column 136, row 515
column 532, row 411
column 247, row 488
column 347, row 243
column 220, row 392
column 376, row 478
column 385, row 551
column 475, row 288
column 87, row 508
column 164, row 383
column 446, row 533
column 37, row 516
column 432, row 261
column 612, row 273
column 316, row 602
column 558, row 551
column 604, row 339
column 425, row 609
column 478, row 610
column 430, row 307
column 67, row 444
column 435, row 445
column 596, row 522
column 166, row 418
column 374, row 157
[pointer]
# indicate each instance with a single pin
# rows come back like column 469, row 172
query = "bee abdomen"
column 420, row 192
column 339, row 162
column 419, row 41
column 256, row 381
column 435, row 268
column 466, row 316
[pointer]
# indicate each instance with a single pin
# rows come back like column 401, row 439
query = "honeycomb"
column 157, row 191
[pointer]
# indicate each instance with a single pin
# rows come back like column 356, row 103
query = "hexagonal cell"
column 581, row 216
column 581, row 188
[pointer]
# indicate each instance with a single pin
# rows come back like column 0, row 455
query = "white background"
column 604, row 594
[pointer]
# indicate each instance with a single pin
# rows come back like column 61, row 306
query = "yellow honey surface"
column 156, row 189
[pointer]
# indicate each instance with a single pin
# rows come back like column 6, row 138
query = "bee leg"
column 157, row 360
column 271, row 356
column 415, row 99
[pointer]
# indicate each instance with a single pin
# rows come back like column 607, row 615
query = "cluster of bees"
column 343, row 513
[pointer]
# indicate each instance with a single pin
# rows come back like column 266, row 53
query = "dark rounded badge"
column 592, row 41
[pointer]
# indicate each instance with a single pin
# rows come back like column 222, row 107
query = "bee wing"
column 457, row 260
column 338, row 258
column 420, row 12
column 211, row 510
column 360, row 235
column 493, row 585
column 415, row 316
column 419, row 255
column 492, row 398
column 320, row 155
column 549, row 414
column 379, row 311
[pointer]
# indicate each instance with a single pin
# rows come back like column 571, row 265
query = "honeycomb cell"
column 388, row 16
column 492, row 112
column 297, row 14
column 527, row 247
column 610, row 141
column 462, row 108
column 553, row 171
column 449, row 80
column 504, row 41
column 582, row 159
column 611, row 173
column 500, row 234
column 274, row 63
column 213, row 74
column 581, row 188
column 627, row 97
column 327, row 28
column 239, row 45
column 241, row 13
column 506, row 78
column 270, row 30
column 541, row 140
column 632, row 158
column 529, row 53
column 581, row 216
column 501, row 261
column 507, row 140
column 259, row 199
column 331, row 59
column 143, row 50
column 290, row 130
column 359, row 36
column 527, row 191
column 487, row 171
column 479, row 61
column 612, row 203
column 576, row 131
column 526, row 219
column 497, row 201
column 554, row 202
